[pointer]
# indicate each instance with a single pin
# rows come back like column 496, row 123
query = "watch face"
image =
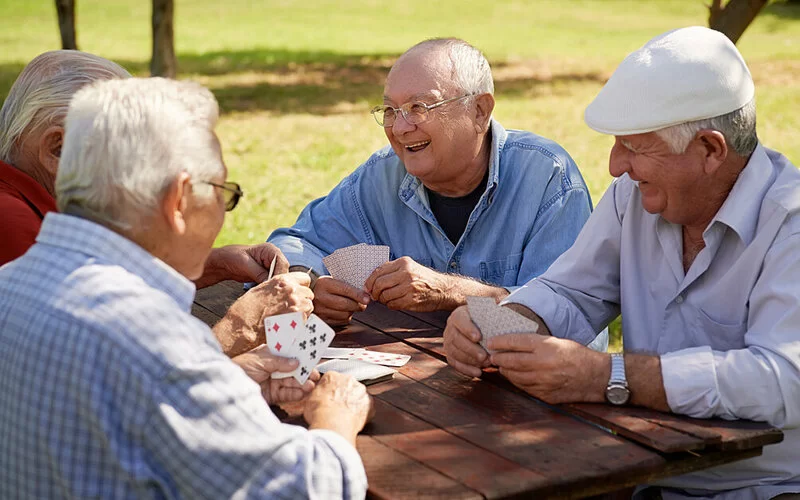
column 618, row 394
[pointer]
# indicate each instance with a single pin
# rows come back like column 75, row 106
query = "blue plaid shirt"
column 109, row 388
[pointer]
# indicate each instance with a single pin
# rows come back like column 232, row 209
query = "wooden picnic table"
column 440, row 434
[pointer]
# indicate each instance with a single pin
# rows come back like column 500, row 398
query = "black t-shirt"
column 453, row 213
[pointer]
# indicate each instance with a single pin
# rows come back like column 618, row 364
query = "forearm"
column 339, row 424
column 213, row 271
column 645, row 381
column 234, row 338
column 461, row 287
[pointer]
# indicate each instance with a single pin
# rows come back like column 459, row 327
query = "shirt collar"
column 412, row 185
column 33, row 192
column 89, row 238
column 742, row 207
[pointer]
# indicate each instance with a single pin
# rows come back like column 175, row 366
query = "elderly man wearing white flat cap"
column 697, row 244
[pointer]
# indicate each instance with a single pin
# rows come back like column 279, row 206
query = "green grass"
column 295, row 79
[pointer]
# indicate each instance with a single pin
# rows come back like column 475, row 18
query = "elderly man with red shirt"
column 31, row 134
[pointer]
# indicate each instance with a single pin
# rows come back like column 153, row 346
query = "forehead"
column 420, row 74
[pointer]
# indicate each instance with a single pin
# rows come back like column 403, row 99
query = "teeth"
column 417, row 144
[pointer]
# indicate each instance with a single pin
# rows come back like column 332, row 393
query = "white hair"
column 738, row 127
column 126, row 141
column 40, row 96
column 471, row 70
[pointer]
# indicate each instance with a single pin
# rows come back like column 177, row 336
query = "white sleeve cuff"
column 690, row 381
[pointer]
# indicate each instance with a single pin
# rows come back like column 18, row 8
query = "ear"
column 175, row 202
column 484, row 105
column 714, row 149
column 50, row 143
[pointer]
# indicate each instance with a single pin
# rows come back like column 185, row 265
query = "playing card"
column 311, row 341
column 354, row 264
column 341, row 352
column 366, row 373
column 493, row 320
column 381, row 358
column 282, row 330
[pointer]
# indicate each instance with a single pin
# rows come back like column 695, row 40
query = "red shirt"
column 23, row 204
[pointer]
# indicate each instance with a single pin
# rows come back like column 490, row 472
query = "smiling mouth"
column 417, row 146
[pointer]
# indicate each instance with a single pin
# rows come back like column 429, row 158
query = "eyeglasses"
column 231, row 192
column 413, row 112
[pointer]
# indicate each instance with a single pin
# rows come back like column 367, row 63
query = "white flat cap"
column 680, row 76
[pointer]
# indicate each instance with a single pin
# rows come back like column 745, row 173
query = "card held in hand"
column 354, row 264
column 493, row 320
column 307, row 343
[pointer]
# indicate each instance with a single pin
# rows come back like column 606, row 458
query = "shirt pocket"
column 718, row 335
column 501, row 272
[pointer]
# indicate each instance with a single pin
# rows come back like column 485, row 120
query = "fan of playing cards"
column 291, row 337
column 354, row 264
column 493, row 320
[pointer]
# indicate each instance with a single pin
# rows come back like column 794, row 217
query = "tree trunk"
column 66, row 23
column 735, row 17
column 163, row 62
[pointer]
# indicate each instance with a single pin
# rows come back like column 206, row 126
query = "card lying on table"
column 361, row 354
column 493, row 320
column 354, row 264
column 290, row 337
column 366, row 373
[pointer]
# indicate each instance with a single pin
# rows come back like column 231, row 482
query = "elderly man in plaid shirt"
column 109, row 388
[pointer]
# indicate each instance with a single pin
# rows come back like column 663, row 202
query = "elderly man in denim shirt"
column 466, row 207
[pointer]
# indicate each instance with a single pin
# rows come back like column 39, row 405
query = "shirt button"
column 453, row 265
column 679, row 299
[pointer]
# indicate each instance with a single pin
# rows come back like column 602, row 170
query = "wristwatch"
column 617, row 392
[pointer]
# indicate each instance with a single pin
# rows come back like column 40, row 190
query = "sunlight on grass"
column 295, row 80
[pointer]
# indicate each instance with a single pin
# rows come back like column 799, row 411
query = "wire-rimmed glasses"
column 415, row 112
column 231, row 192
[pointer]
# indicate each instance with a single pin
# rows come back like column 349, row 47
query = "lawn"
column 295, row 80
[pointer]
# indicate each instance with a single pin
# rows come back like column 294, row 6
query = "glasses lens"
column 232, row 194
column 384, row 115
column 415, row 112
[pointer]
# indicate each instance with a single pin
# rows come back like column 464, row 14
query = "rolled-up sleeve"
column 325, row 225
column 762, row 381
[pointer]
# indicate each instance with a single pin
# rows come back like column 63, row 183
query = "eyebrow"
column 416, row 97
column 628, row 145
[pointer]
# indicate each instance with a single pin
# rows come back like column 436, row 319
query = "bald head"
column 41, row 94
column 457, row 60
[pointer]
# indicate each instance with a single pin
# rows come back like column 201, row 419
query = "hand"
column 335, row 301
column 242, row 263
column 405, row 284
column 242, row 327
column 339, row 403
column 552, row 369
column 461, row 347
column 259, row 364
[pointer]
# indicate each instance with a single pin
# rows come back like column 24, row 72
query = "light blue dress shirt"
column 728, row 331
column 109, row 388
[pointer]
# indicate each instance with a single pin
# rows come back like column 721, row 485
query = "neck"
column 471, row 176
column 37, row 172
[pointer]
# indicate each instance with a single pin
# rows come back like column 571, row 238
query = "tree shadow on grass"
column 316, row 82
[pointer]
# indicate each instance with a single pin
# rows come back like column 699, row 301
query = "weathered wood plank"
column 658, row 430
column 205, row 315
column 218, row 298
column 399, row 325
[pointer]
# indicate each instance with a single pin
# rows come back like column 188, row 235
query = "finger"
column 382, row 270
column 336, row 287
column 314, row 378
column 520, row 361
column 281, row 263
column 284, row 394
column 332, row 316
column 385, row 283
column 275, row 364
column 466, row 351
column 337, row 302
column 517, row 342
column 302, row 279
column 466, row 369
column 528, row 379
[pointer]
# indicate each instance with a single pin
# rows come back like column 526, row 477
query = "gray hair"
column 126, row 141
column 738, row 127
column 41, row 94
column 471, row 71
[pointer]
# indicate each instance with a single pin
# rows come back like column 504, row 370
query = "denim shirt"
column 533, row 208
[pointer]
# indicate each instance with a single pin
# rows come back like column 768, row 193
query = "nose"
column 401, row 125
column 618, row 160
